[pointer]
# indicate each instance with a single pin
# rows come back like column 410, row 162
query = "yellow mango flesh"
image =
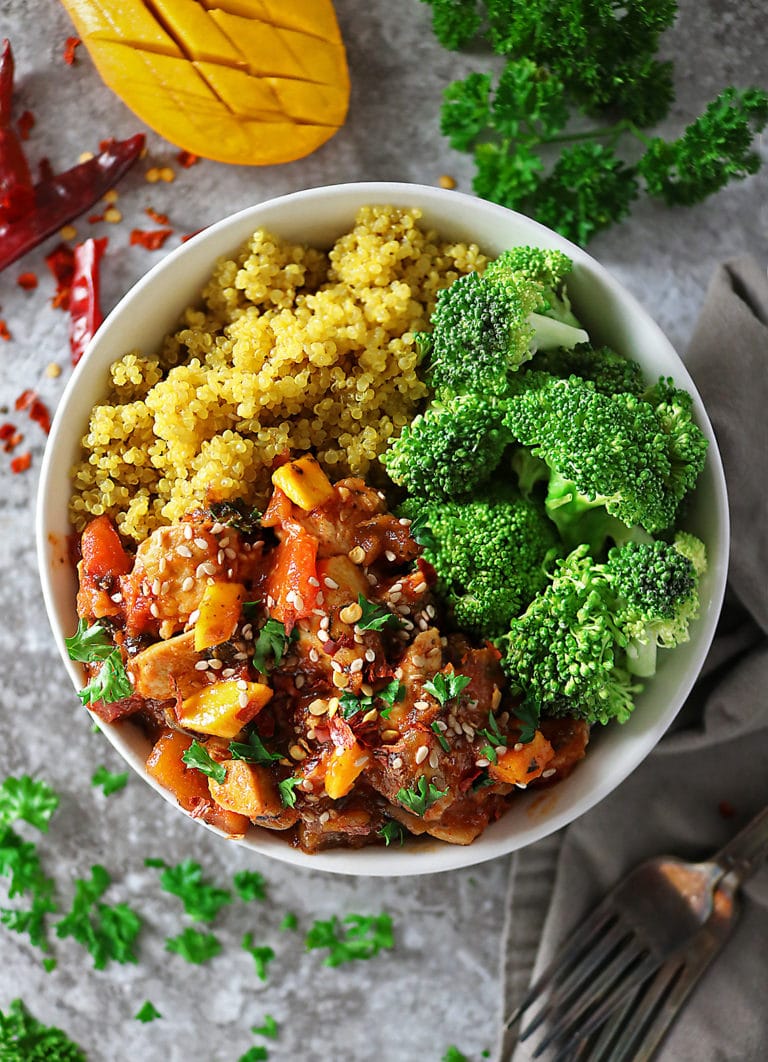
column 253, row 82
column 216, row 709
column 343, row 768
column 219, row 612
column 304, row 482
column 521, row 766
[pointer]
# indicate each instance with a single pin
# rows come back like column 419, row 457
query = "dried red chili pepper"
column 159, row 219
column 11, row 439
column 70, row 45
column 4, row 333
column 187, row 159
column 37, row 409
column 28, row 281
column 16, row 193
column 189, row 235
column 84, row 308
column 61, row 262
column 25, row 124
column 21, row 463
column 153, row 240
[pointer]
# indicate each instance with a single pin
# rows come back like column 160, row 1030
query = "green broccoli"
column 610, row 373
column 449, row 450
column 687, row 445
column 580, row 643
column 545, row 267
column 491, row 555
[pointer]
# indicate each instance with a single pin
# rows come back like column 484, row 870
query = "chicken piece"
column 251, row 790
column 165, row 669
column 422, row 660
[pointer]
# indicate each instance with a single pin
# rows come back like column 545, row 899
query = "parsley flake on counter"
column 24, row 1039
column 109, row 781
column 393, row 831
column 289, row 922
column 262, row 955
column 453, row 1054
column 148, row 1012
column 357, row 937
column 422, row 797
column 199, row 757
column 287, row 789
column 202, row 901
column 250, row 885
column 92, row 645
column 269, row 1028
column 107, row 932
column 446, row 687
column 29, row 799
column 255, row 1054
column 375, row 617
column 272, row 642
column 194, row 945
column 254, row 751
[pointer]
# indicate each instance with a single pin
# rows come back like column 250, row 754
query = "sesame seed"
column 441, row 725
column 220, row 557
column 162, row 565
column 370, row 655
column 247, row 630
column 430, row 611
column 228, row 672
column 318, row 612
column 421, row 753
column 397, row 763
column 188, row 532
column 298, row 602
column 396, row 588
column 320, row 597
column 154, row 610
column 299, row 681
column 390, row 555
column 389, row 735
column 323, row 635
column 241, row 656
column 201, row 543
column 395, row 597
column 355, row 666
column 290, row 597
column 422, row 705
column 330, row 583
column 230, row 553
column 156, row 587
column 201, row 665
column 549, row 772
column 404, row 522
column 242, row 684
column 217, row 665
column 117, row 598
column 314, row 656
column 518, row 746
column 420, row 588
column 184, row 551
column 423, row 625
column 222, row 541
column 217, row 529
column 336, row 666
column 297, row 752
column 521, row 785
column 333, row 707
column 323, row 818
column 366, row 690
column 370, row 716
column 188, row 583
column 194, row 616
column 242, row 699
column 230, row 572
column 318, row 706
column 312, row 581
column 469, row 731
column 434, row 759
column 340, row 680
column 482, row 762
column 325, row 623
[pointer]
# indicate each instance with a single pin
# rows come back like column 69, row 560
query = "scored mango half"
column 253, row 82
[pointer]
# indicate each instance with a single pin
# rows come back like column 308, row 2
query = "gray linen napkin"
column 710, row 774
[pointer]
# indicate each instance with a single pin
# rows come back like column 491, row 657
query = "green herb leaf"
column 257, row 1053
column 287, row 789
column 357, row 937
column 254, row 751
column 421, row 532
column 260, row 954
column 375, row 617
column 24, row 1039
column 29, row 799
column 269, row 1028
column 110, row 684
column 453, row 1054
column 392, row 693
column 392, row 831
column 422, row 797
column 272, row 642
column 446, row 687
column 528, row 712
column 197, row 756
column 109, row 782
column 148, row 1012
column 194, row 945
column 435, row 727
column 250, row 885
column 202, row 901
column 108, row 933
column 237, row 514
column 89, row 644
column 350, row 704
column 290, row 921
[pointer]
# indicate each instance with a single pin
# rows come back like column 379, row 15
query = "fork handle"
column 745, row 853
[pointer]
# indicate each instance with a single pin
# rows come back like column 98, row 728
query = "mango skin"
column 249, row 82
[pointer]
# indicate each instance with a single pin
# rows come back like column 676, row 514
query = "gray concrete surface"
column 440, row 985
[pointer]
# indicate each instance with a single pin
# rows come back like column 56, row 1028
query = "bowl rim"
column 432, row 856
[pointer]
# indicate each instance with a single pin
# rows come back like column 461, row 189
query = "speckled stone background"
column 441, row 983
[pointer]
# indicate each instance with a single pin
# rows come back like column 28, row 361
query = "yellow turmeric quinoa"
column 292, row 348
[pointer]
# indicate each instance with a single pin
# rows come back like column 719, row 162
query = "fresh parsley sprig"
column 393, row 832
column 107, row 932
column 446, row 686
column 110, row 782
column 375, row 617
column 357, row 937
column 272, row 644
column 422, row 797
column 494, row 737
column 202, row 901
column 93, row 645
column 148, row 1012
column 23, row 1037
column 194, row 945
column 253, row 751
column 287, row 790
column 199, row 757
column 261, row 954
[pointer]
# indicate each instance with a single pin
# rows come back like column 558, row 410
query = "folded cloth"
column 710, row 774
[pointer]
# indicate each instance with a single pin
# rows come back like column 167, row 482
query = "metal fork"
column 647, row 918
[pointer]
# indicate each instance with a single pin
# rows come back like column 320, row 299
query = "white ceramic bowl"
column 612, row 316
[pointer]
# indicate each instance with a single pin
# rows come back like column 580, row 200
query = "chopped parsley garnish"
column 92, row 645
column 435, row 727
column 250, row 885
column 29, row 799
column 482, row 781
column 422, row 797
column 350, row 704
column 393, row 831
column 269, row 1028
column 453, row 1054
column 194, row 945
column 109, row 782
column 446, row 687
column 197, row 756
column 289, row 922
column 148, row 1012
column 261, row 955
column 237, row 514
column 421, row 532
column 253, row 751
column 528, row 712
column 257, row 1053
column 375, row 617
column 357, row 937
column 108, row 933
column 202, row 901
column 272, row 642
column 391, row 694
column 287, row 789
column 494, row 737
column 25, row 1039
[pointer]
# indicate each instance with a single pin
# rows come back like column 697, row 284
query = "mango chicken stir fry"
column 291, row 672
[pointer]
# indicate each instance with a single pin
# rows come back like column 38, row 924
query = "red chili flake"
column 61, row 262
column 37, row 409
column 187, row 159
column 153, row 240
column 28, row 281
column 189, row 235
column 10, row 437
column 4, row 333
column 21, row 463
column 94, row 219
column 159, row 219
column 69, row 50
column 26, row 124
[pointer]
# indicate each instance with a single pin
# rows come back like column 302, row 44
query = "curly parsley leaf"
column 197, row 756
column 253, row 751
column 271, row 645
column 287, row 790
column 148, row 1012
column 93, row 645
column 350, row 704
column 447, row 686
column 494, row 737
column 25, row 1039
column 250, row 885
column 109, row 781
column 202, row 901
column 453, row 1054
column 268, row 1028
column 194, row 945
column 357, row 937
column 422, row 797
column 455, row 22
column 393, row 832
column 290, row 921
column 108, row 933
column 261, row 955
column 466, row 114
column 375, row 617
column 257, row 1053
column 32, row 801
column 29, row 799
column 89, row 644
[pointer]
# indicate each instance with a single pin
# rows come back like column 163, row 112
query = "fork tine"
column 617, row 1039
column 559, row 966
column 602, row 951
column 580, row 1021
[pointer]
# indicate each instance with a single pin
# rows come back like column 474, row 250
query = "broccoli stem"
column 550, row 334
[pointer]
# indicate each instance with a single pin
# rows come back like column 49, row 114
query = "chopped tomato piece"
column 292, row 584
column 103, row 552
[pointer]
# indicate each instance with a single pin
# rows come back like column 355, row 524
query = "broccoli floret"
column 449, row 450
column 608, row 371
column 687, row 444
column 609, row 455
column 544, row 267
column 581, row 642
column 491, row 555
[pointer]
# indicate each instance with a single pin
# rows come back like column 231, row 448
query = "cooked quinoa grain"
column 291, row 349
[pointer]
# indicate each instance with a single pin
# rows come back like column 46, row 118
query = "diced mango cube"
column 220, row 609
column 250, row 790
column 519, row 766
column 343, row 767
column 218, row 710
column 304, row 482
